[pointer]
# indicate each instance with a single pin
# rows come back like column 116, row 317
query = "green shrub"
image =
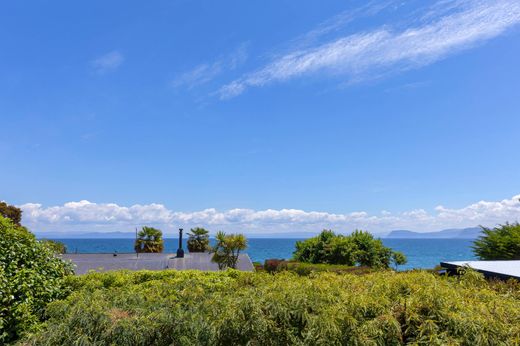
column 240, row 308
column 57, row 246
column 198, row 240
column 30, row 277
column 149, row 239
column 359, row 248
column 499, row 243
column 309, row 268
column 301, row 268
column 272, row 265
column 258, row 266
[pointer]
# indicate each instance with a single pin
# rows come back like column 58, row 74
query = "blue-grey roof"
column 150, row 261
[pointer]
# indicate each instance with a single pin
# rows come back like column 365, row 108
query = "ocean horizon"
column 421, row 253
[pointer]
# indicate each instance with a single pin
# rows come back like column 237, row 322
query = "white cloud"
column 199, row 75
column 108, row 62
column 206, row 72
column 87, row 216
column 442, row 31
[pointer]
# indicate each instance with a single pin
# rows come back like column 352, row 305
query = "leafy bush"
column 239, row 308
column 30, row 277
column 309, row 268
column 359, row 248
column 499, row 243
column 227, row 249
column 57, row 246
column 149, row 239
column 300, row 268
column 198, row 240
column 273, row 264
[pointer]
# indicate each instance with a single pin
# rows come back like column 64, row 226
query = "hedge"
column 238, row 308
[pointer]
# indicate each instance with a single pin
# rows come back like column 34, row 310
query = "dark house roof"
column 149, row 261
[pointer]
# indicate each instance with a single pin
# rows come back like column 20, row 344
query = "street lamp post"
column 180, row 251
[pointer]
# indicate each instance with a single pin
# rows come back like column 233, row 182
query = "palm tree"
column 149, row 239
column 227, row 249
column 198, row 240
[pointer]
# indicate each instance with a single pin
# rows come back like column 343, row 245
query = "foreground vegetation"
column 30, row 277
column 238, row 308
column 338, row 292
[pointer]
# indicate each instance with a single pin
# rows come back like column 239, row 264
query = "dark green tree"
column 198, row 240
column 398, row 258
column 499, row 243
column 227, row 249
column 11, row 212
column 31, row 275
column 149, row 239
column 359, row 248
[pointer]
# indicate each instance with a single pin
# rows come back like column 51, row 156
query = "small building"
column 503, row 270
column 85, row 262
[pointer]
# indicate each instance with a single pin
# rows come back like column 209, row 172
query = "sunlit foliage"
column 149, row 239
column 30, row 276
column 239, row 308
column 499, row 243
column 57, row 246
column 198, row 240
column 227, row 249
column 359, row 248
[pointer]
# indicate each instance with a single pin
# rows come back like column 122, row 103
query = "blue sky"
column 296, row 114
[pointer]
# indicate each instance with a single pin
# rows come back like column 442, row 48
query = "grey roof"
column 150, row 261
column 501, row 269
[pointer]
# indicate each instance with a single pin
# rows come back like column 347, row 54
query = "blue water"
column 421, row 253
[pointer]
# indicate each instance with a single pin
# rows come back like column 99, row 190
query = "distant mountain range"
column 464, row 233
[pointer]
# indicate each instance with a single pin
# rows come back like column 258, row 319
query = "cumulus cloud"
column 440, row 32
column 89, row 216
column 108, row 62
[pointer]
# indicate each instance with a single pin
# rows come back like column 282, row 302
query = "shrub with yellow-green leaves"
column 238, row 308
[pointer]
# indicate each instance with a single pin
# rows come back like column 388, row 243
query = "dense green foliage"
column 359, row 248
column 198, row 240
column 149, row 239
column 56, row 246
column 499, row 243
column 276, row 265
column 227, row 249
column 30, row 277
column 11, row 212
column 239, row 308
